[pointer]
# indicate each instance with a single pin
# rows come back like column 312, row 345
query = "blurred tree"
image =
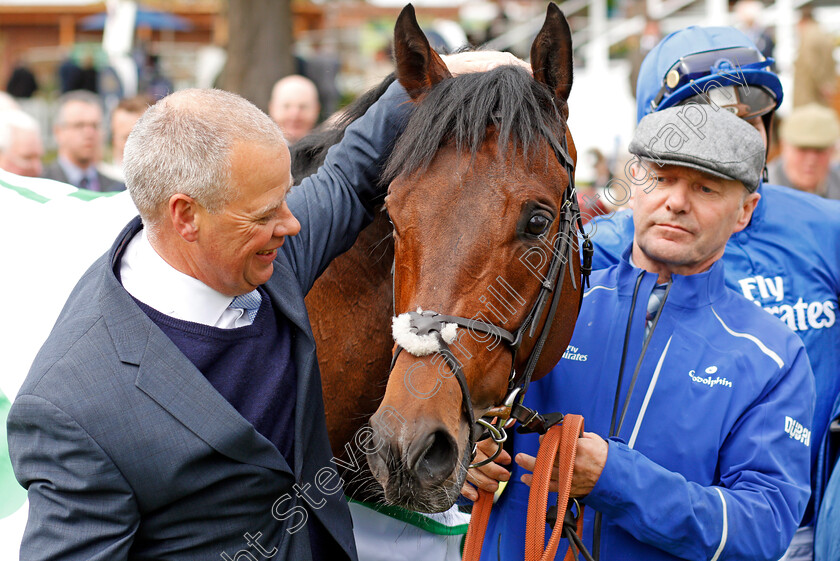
column 259, row 48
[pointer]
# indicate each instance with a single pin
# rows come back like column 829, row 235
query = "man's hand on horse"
column 480, row 61
column 590, row 459
column 486, row 477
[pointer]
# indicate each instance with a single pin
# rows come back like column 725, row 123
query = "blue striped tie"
column 249, row 302
column 654, row 302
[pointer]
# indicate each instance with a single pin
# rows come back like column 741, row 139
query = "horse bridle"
column 432, row 323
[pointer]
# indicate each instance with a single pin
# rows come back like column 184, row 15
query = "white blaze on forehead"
column 420, row 345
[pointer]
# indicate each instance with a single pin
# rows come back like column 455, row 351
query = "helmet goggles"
column 746, row 102
column 727, row 64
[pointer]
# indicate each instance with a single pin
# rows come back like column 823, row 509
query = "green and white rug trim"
column 45, row 190
column 12, row 495
column 442, row 524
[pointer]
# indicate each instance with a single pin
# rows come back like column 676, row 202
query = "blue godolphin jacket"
column 711, row 460
column 827, row 538
column 787, row 261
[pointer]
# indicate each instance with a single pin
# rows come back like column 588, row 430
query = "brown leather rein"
column 558, row 448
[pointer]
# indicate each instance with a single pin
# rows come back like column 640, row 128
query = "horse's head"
column 478, row 201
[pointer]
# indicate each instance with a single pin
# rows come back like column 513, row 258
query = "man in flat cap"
column 808, row 136
column 699, row 403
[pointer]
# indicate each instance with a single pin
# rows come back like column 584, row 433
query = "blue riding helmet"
column 683, row 63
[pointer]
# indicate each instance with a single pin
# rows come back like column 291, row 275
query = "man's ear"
column 183, row 214
column 747, row 208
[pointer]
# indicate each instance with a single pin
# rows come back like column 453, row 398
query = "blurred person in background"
column 78, row 133
column 89, row 75
column 153, row 81
column 748, row 13
column 7, row 101
column 69, row 75
column 123, row 118
column 787, row 260
column 323, row 65
column 294, row 106
column 808, row 137
column 814, row 74
column 22, row 82
column 651, row 35
column 21, row 148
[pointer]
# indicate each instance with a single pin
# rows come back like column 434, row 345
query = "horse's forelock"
column 460, row 111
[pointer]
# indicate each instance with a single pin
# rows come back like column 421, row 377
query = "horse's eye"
column 537, row 224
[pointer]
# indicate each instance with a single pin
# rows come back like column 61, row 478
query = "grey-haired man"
column 175, row 411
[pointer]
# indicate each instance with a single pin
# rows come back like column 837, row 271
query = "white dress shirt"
column 156, row 283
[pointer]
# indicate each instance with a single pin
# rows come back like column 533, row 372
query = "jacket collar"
column 171, row 380
column 758, row 213
column 688, row 291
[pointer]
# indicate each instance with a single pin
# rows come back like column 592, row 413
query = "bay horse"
column 482, row 179
column 477, row 190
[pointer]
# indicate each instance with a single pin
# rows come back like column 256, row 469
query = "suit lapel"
column 108, row 185
column 286, row 296
column 171, row 380
column 58, row 173
column 175, row 384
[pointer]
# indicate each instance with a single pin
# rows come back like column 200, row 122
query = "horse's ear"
column 551, row 53
column 418, row 66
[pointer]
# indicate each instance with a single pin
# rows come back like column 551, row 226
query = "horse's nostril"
column 436, row 462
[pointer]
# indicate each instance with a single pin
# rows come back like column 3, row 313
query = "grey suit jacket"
column 106, row 184
column 126, row 449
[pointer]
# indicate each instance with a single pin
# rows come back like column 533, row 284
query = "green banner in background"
column 12, row 495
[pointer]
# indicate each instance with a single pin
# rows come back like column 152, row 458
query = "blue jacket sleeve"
column 827, row 538
column 611, row 235
column 754, row 508
column 81, row 507
column 337, row 202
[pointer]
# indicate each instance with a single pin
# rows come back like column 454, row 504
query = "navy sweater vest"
column 250, row 366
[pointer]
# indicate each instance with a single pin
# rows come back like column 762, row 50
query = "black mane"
column 457, row 111
column 460, row 111
column 310, row 151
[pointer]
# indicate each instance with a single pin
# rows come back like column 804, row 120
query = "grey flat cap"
column 705, row 138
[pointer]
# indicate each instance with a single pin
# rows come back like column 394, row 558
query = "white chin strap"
column 420, row 345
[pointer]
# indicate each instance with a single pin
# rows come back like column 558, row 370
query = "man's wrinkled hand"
column 486, row 477
column 590, row 459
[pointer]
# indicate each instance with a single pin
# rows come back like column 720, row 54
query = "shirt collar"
column 758, row 213
column 688, row 291
column 74, row 173
column 156, row 283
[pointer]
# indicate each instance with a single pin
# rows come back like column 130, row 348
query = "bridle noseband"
column 429, row 323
